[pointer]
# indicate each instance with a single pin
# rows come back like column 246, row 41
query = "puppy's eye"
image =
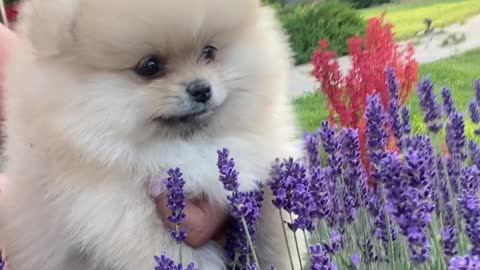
column 208, row 54
column 151, row 66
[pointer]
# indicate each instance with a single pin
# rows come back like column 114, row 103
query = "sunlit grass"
column 407, row 18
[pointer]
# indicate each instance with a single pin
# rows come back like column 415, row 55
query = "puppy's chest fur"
column 106, row 211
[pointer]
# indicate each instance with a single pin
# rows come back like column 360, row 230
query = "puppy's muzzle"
column 200, row 91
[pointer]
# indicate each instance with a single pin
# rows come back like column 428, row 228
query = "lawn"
column 458, row 73
column 407, row 18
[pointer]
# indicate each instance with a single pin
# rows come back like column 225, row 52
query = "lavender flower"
column 245, row 206
column 311, row 147
column 448, row 103
column 381, row 218
column 455, row 137
column 176, row 203
column 320, row 194
column 454, row 169
column 474, row 113
column 449, row 232
column 331, row 143
column 429, row 105
column 369, row 252
column 470, row 209
column 331, row 146
column 376, row 133
column 244, row 209
column 292, row 190
column 320, row 260
column 165, row 263
column 394, row 107
column 410, row 205
column 335, row 244
column 474, row 153
column 355, row 261
column 468, row 262
column 354, row 175
column 406, row 127
column 228, row 174
column 477, row 91
column 2, row 262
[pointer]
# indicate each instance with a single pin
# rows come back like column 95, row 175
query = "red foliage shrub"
column 11, row 12
column 370, row 57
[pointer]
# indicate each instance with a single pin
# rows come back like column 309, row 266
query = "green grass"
column 407, row 18
column 458, row 73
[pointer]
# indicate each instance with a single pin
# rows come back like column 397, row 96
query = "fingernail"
column 155, row 188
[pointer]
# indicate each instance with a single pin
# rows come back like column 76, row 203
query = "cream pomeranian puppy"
column 105, row 95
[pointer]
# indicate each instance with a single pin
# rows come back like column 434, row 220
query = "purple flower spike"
column 320, row 260
column 468, row 262
column 355, row 176
column 411, row 205
column 244, row 205
column 448, row 103
column 406, row 127
column 470, row 209
column 393, row 83
column 429, row 105
column 331, row 145
column 335, row 244
column 449, row 232
column 474, row 113
column 311, row 146
column 369, row 252
column 356, row 261
column 455, row 137
column 474, row 153
column 228, row 174
column 176, row 202
column 477, row 91
column 165, row 263
column 377, row 137
column 394, row 107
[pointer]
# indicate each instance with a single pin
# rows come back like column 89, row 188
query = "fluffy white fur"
column 82, row 147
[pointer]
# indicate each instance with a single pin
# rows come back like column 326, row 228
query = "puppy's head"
column 133, row 72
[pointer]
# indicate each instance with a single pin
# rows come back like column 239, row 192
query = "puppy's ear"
column 47, row 25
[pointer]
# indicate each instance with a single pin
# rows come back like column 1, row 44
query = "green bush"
column 308, row 24
column 367, row 3
column 8, row 2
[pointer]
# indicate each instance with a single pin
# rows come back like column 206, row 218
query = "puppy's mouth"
column 189, row 118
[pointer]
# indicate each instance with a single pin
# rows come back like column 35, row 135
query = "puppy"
column 105, row 95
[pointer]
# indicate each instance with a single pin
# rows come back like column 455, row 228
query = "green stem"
column 250, row 243
column 179, row 246
column 296, row 245
column 450, row 189
column 286, row 239
column 235, row 261
column 391, row 246
column 306, row 242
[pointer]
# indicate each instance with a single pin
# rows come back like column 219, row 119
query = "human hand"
column 204, row 221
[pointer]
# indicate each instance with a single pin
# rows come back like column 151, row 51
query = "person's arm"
column 203, row 220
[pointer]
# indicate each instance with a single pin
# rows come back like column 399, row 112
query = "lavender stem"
column 250, row 242
column 296, row 245
column 179, row 246
column 286, row 239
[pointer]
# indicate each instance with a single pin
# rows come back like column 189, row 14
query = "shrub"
column 307, row 24
column 370, row 57
column 367, row 3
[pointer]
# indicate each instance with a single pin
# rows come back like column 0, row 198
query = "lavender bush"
column 422, row 213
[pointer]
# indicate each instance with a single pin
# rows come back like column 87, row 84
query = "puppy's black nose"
column 200, row 90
